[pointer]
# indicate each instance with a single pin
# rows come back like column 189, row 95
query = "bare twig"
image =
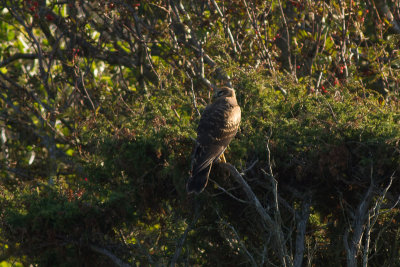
column 194, row 44
column 110, row 255
column 181, row 241
column 318, row 81
column 226, row 25
column 227, row 192
column 374, row 214
column 360, row 218
column 264, row 50
column 86, row 92
column 43, row 73
column 239, row 241
column 17, row 56
column 250, row 194
column 250, row 167
column 385, row 10
column 344, row 39
column 194, row 96
column 286, row 259
column 287, row 37
column 272, row 224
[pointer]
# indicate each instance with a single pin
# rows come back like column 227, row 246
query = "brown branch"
column 264, row 50
column 344, row 39
column 226, row 25
column 239, row 241
column 190, row 41
column 181, row 241
column 287, row 37
column 250, row 194
column 110, row 255
column 227, row 192
column 193, row 95
column 17, row 56
column 383, row 8
column 272, row 224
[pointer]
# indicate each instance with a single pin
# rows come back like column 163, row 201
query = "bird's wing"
column 213, row 135
column 203, row 156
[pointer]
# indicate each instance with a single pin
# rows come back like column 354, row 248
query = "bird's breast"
column 234, row 116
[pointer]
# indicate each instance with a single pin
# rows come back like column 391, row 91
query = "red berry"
column 35, row 3
column 32, row 8
column 298, row 67
column 49, row 17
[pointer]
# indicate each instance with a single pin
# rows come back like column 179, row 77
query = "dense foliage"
column 99, row 102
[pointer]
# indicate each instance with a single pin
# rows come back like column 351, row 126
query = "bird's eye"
column 220, row 93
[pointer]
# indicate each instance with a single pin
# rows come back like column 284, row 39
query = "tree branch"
column 17, row 56
column 110, row 255
column 272, row 224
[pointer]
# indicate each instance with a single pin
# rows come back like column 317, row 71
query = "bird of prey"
column 217, row 127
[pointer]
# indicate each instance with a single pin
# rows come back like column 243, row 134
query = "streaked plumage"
column 217, row 127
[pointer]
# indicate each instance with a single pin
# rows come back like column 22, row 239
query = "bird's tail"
column 198, row 182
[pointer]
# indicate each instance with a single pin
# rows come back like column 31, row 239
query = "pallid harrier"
column 217, row 127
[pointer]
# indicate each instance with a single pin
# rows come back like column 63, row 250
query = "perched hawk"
column 217, row 127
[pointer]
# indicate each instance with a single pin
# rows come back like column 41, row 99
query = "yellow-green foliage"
column 99, row 105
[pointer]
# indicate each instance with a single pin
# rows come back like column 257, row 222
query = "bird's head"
column 224, row 92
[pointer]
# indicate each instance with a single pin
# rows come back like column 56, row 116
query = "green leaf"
column 70, row 152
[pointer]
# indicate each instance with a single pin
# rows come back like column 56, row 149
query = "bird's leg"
column 222, row 158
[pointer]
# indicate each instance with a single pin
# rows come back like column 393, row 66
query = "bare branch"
column 226, row 26
column 383, row 8
column 262, row 45
column 287, row 37
column 301, row 232
column 193, row 95
column 227, row 192
column 242, row 245
column 184, row 235
column 110, row 255
column 374, row 213
column 359, row 220
column 250, row 194
column 344, row 39
column 272, row 224
column 17, row 56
